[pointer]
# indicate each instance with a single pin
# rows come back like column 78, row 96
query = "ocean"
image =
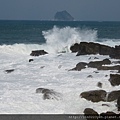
column 51, row 71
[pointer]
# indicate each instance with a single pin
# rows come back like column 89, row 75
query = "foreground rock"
column 49, row 93
column 114, row 79
column 38, row 52
column 113, row 95
column 94, row 96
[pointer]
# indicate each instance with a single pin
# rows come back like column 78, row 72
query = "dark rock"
column 99, row 84
column 106, row 105
column 94, row 96
column 90, row 76
column 91, row 114
column 109, row 115
column 9, row 71
column 75, row 47
column 109, row 67
column 49, row 93
column 80, row 66
column 118, row 103
column 113, row 95
column 96, row 64
column 30, row 60
column 38, row 52
column 63, row 16
column 87, row 48
column 114, row 79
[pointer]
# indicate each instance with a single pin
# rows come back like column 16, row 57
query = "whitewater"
column 51, row 71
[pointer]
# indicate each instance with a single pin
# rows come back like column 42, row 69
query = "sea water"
column 51, row 71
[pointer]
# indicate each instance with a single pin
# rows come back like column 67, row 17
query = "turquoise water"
column 31, row 32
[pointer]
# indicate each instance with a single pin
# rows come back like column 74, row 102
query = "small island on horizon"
column 63, row 16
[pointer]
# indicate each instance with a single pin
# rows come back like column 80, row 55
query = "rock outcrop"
column 63, row 16
column 87, row 48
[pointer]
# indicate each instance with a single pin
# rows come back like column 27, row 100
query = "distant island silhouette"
column 63, row 16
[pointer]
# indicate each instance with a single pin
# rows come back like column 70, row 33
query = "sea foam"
column 58, row 40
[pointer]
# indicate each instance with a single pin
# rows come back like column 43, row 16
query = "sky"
column 83, row 10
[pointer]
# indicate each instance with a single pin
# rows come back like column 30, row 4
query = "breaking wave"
column 57, row 40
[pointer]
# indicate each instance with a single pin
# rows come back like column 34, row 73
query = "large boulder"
column 91, row 114
column 85, row 48
column 114, row 79
column 38, row 52
column 94, row 96
column 113, row 95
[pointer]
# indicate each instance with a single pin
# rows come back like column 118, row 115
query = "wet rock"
column 89, row 76
column 38, row 52
column 118, row 103
column 108, row 67
column 87, row 48
column 75, row 47
column 9, row 71
column 114, row 79
column 80, row 66
column 94, row 96
column 99, row 84
column 97, row 64
column 109, row 115
column 91, row 114
column 113, row 95
column 49, row 93
column 30, row 60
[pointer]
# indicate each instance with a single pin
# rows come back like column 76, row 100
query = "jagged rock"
column 85, row 48
column 80, row 66
column 114, row 79
column 30, row 60
column 49, row 93
column 96, row 64
column 9, row 71
column 94, row 96
column 113, row 95
column 91, row 114
column 63, row 16
column 38, row 52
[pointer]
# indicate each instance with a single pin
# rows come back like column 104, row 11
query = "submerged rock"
column 94, row 96
column 30, row 60
column 38, row 52
column 9, row 71
column 49, row 93
column 118, row 103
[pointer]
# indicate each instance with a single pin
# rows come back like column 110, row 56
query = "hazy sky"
column 100, row 10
